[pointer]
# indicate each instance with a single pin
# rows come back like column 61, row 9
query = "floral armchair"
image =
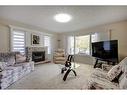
column 59, row 56
column 115, row 78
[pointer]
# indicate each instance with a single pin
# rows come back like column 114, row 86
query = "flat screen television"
column 105, row 49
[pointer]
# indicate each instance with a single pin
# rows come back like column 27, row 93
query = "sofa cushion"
column 123, row 63
column 106, row 67
column 114, row 72
column 100, row 83
column 11, row 61
column 2, row 65
column 15, row 68
column 59, row 54
column 5, row 82
column 60, row 62
column 25, row 65
column 121, row 77
column 60, row 58
column 99, row 73
column 8, row 57
column 123, row 82
column 60, row 50
column 5, row 73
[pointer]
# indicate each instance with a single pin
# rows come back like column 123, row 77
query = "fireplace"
column 38, row 56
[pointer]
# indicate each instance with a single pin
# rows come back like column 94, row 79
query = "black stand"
column 113, row 61
column 68, row 67
column 96, row 63
column 68, row 71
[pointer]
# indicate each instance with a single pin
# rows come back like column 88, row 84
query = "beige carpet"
column 48, row 76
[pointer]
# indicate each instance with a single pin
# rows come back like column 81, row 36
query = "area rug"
column 48, row 76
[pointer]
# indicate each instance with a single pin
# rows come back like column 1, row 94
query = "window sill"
column 83, row 55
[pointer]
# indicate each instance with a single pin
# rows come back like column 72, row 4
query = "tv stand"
column 113, row 61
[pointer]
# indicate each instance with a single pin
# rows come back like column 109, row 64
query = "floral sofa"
column 115, row 77
column 13, row 66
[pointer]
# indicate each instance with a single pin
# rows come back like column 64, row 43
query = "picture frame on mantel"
column 35, row 39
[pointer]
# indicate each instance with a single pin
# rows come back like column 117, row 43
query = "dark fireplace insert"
column 38, row 56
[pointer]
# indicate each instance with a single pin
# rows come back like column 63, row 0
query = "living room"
column 33, row 29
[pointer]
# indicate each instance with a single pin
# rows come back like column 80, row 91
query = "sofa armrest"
column 98, row 86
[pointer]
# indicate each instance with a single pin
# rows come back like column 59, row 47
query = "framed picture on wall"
column 35, row 39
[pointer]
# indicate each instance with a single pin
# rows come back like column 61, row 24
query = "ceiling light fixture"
column 62, row 17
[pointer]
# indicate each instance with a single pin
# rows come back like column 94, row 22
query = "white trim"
column 21, row 28
column 29, row 30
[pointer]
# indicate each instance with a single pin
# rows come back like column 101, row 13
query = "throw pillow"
column 114, row 72
column 20, row 58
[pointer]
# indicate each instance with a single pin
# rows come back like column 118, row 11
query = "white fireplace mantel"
column 29, row 51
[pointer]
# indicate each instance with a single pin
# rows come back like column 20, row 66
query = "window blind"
column 18, row 41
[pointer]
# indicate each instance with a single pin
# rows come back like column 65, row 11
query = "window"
column 18, row 41
column 71, row 45
column 81, row 44
column 47, row 43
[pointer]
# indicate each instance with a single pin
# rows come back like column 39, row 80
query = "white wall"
column 5, row 28
column 113, row 31
column 118, row 32
column 4, row 38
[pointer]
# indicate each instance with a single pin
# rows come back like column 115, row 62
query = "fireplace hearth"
column 38, row 56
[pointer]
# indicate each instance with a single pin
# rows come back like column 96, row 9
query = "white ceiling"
column 82, row 16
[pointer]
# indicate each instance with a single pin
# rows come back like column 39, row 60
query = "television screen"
column 105, row 49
